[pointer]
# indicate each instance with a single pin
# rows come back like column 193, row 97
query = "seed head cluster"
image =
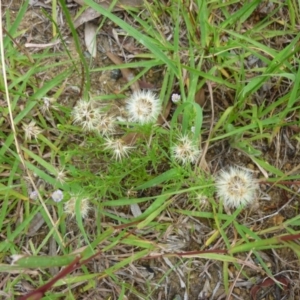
column 92, row 118
column 236, row 187
column 31, row 130
column 118, row 147
column 70, row 206
column 86, row 115
column 143, row 107
column 185, row 150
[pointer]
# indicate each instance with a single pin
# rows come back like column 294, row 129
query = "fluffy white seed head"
column 61, row 175
column 236, row 187
column 105, row 125
column 47, row 104
column 143, row 107
column 70, row 206
column 118, row 147
column 185, row 150
column 31, row 130
column 86, row 115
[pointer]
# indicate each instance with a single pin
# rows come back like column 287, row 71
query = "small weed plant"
column 185, row 166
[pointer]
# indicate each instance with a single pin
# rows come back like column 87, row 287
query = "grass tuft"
column 113, row 178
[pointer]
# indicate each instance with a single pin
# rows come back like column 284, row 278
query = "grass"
column 148, row 210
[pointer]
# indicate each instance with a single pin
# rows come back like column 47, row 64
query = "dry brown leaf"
column 161, row 119
column 146, row 85
column 277, row 219
column 90, row 32
column 295, row 128
column 130, row 138
column 200, row 97
column 267, row 283
column 127, row 74
column 90, row 14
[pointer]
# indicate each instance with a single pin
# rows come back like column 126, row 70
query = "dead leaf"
column 36, row 223
column 52, row 252
column 278, row 219
column 130, row 138
column 146, row 85
column 127, row 74
column 90, row 32
column 161, row 118
column 135, row 209
column 90, row 14
column 267, row 283
column 294, row 128
column 200, row 97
